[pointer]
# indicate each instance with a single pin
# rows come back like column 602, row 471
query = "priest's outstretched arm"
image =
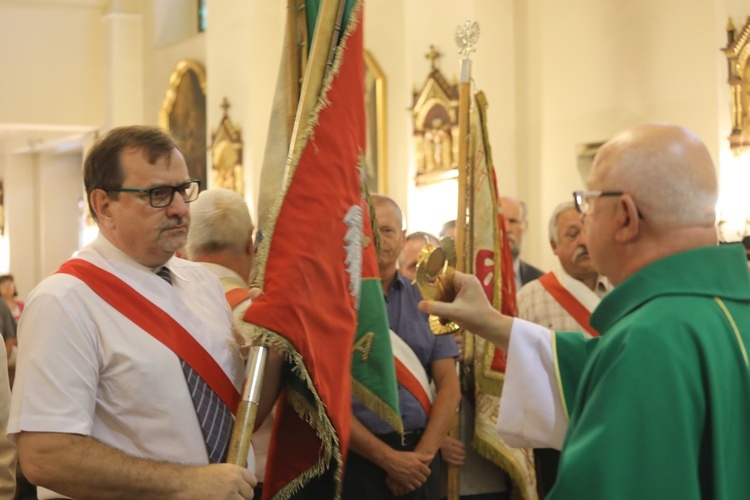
column 532, row 409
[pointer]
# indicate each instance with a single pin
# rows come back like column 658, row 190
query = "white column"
column 123, row 39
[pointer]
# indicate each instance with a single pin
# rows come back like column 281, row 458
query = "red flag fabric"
column 508, row 304
column 310, row 264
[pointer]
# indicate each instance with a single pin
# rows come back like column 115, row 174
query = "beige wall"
column 243, row 49
column 51, row 63
column 593, row 68
column 557, row 75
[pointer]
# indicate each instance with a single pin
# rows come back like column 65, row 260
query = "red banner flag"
column 309, row 266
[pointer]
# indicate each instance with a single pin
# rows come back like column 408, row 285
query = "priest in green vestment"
column 659, row 405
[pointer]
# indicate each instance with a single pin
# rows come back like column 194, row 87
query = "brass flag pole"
column 327, row 29
column 466, row 37
column 244, row 420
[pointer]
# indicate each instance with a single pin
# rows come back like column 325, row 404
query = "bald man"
column 516, row 224
column 658, row 404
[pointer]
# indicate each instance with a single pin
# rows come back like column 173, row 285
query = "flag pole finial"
column 467, row 36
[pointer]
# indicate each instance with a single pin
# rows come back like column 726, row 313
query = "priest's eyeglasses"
column 583, row 199
column 162, row 196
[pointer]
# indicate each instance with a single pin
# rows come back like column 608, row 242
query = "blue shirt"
column 411, row 325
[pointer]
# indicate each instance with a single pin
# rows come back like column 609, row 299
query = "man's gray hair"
column 219, row 221
column 562, row 207
column 422, row 235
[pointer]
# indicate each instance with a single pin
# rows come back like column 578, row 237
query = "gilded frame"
column 183, row 114
column 737, row 52
column 435, row 115
column 376, row 156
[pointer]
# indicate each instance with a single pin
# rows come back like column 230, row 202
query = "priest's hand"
column 472, row 311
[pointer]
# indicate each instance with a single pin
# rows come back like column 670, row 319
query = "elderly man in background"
column 562, row 300
column 658, row 404
column 221, row 237
column 221, row 240
column 514, row 213
column 112, row 396
column 382, row 464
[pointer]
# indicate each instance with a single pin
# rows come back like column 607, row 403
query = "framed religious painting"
column 376, row 161
column 183, row 114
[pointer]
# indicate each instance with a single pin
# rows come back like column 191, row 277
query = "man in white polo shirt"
column 127, row 368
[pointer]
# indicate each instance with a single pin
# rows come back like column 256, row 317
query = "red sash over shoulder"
column 160, row 325
column 568, row 302
column 236, row 296
column 410, row 373
column 411, row 384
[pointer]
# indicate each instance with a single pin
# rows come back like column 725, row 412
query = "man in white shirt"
column 563, row 300
column 104, row 401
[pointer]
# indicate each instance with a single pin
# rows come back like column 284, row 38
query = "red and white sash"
column 568, row 302
column 160, row 325
column 410, row 373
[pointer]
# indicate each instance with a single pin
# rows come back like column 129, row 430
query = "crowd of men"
column 114, row 396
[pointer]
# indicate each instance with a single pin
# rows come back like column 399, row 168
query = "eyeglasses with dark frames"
column 583, row 205
column 162, row 196
column 583, row 199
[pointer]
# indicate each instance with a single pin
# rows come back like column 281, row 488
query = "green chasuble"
column 660, row 403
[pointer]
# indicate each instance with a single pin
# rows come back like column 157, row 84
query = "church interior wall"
column 244, row 47
column 51, row 63
column 22, row 220
column 492, row 71
column 60, row 196
column 599, row 67
column 557, row 76
column 386, row 33
column 161, row 54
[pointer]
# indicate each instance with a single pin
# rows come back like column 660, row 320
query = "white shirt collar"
column 109, row 251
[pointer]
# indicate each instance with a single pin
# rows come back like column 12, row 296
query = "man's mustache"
column 581, row 251
column 172, row 223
